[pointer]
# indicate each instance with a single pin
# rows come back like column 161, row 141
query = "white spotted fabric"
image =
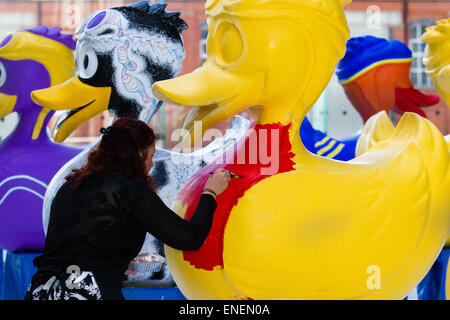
column 70, row 287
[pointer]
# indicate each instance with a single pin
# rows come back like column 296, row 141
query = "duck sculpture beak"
column 83, row 102
column 212, row 92
column 7, row 104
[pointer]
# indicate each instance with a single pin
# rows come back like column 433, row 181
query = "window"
column 418, row 74
column 11, row 22
column 204, row 31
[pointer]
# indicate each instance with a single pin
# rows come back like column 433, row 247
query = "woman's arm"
column 164, row 224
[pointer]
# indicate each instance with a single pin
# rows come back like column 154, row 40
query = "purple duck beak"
column 7, row 104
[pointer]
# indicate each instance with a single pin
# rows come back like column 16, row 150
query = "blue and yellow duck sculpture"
column 296, row 225
column 30, row 59
column 375, row 75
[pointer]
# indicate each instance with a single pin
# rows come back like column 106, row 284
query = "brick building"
column 16, row 15
column 401, row 20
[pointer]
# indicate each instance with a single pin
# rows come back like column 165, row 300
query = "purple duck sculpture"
column 29, row 60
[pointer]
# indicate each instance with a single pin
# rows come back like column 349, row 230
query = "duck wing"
column 331, row 225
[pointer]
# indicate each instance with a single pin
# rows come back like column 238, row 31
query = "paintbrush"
column 232, row 175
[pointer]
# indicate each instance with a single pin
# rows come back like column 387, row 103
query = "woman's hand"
column 217, row 183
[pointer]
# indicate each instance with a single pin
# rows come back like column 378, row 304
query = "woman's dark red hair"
column 118, row 152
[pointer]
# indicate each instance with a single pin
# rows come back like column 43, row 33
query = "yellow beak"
column 7, row 104
column 210, row 91
column 83, row 100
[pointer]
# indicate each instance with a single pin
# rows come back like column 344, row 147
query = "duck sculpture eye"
column 2, row 74
column 228, row 44
column 87, row 63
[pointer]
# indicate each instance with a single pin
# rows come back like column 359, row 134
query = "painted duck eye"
column 2, row 74
column 228, row 43
column 87, row 63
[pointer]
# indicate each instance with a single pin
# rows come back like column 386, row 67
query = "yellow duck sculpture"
column 437, row 60
column 318, row 228
column 437, row 57
column 437, row 64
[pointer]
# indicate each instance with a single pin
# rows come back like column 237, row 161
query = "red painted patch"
column 249, row 156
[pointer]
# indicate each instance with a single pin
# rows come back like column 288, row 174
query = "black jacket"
column 101, row 226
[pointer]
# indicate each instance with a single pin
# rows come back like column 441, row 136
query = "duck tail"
column 378, row 127
column 434, row 148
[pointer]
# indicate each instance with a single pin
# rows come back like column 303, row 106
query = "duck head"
column 274, row 55
column 120, row 53
column 375, row 76
column 437, row 57
column 29, row 60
